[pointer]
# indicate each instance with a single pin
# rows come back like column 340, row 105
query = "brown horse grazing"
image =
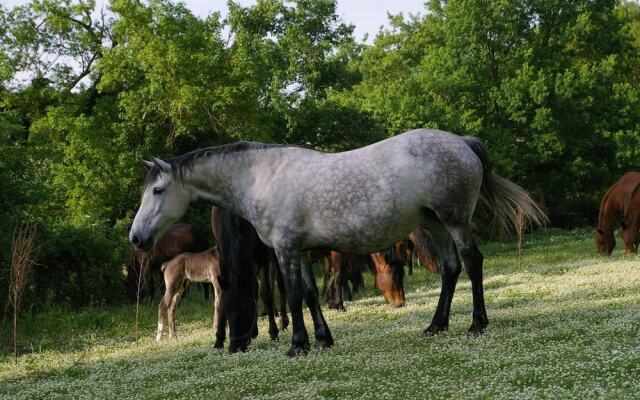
column 619, row 208
column 242, row 257
column 194, row 267
column 387, row 268
column 388, row 272
column 179, row 238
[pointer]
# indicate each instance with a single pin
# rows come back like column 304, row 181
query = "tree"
column 546, row 85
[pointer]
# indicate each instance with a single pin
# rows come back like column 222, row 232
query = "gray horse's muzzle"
column 141, row 241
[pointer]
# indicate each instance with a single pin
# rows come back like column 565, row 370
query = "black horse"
column 242, row 257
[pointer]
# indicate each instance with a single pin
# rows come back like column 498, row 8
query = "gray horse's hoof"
column 324, row 343
column 434, row 329
column 239, row 345
column 475, row 332
column 297, row 350
column 478, row 325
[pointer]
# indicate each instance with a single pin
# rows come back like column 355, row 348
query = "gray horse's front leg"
column 311, row 296
column 289, row 259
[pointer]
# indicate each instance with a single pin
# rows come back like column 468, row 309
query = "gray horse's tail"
column 505, row 199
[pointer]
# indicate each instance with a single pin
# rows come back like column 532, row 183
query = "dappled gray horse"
column 359, row 201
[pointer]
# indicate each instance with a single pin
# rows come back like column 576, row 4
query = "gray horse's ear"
column 146, row 164
column 161, row 164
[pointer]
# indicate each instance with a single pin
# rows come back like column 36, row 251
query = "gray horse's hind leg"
column 311, row 296
column 449, row 271
column 289, row 260
column 472, row 257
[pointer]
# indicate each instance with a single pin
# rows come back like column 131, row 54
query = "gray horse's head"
column 164, row 201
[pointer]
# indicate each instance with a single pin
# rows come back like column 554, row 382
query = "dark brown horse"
column 619, row 207
column 242, row 257
column 419, row 245
column 179, row 238
column 336, row 282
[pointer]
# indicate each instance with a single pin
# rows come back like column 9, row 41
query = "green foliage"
column 550, row 88
column 78, row 266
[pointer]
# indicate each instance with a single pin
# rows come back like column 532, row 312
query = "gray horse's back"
column 366, row 199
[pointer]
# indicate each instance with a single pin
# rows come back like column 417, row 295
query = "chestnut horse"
column 387, row 268
column 620, row 206
column 179, row 238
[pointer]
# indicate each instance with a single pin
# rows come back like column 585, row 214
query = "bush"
column 77, row 267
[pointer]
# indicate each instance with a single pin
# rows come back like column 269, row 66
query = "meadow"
column 564, row 323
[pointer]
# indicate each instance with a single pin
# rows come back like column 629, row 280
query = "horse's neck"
column 222, row 180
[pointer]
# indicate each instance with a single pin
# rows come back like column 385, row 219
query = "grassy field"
column 563, row 324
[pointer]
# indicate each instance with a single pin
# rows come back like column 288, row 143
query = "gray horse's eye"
column 158, row 190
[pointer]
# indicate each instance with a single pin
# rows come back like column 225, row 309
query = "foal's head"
column 164, row 201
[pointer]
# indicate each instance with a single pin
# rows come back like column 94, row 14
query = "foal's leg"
column 164, row 304
column 289, row 259
column 449, row 271
column 266, row 294
column 311, row 296
column 219, row 320
column 172, row 309
column 466, row 244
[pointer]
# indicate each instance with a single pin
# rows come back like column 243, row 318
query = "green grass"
column 563, row 324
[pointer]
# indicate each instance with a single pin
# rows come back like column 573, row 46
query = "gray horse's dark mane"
column 184, row 162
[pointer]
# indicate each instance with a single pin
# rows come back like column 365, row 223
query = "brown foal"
column 195, row 267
